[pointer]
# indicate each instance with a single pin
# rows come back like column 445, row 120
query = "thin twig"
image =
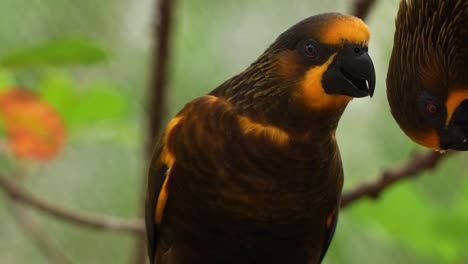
column 361, row 8
column 101, row 222
column 413, row 167
column 33, row 229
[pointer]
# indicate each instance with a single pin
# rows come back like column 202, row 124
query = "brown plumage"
column 427, row 82
column 251, row 173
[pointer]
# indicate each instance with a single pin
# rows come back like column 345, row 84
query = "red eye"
column 310, row 50
column 431, row 108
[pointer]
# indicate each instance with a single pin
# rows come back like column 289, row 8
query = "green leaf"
column 64, row 52
column 100, row 102
column 58, row 89
column 7, row 80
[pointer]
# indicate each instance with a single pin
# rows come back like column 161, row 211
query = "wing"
column 331, row 226
column 156, row 177
column 157, row 192
column 185, row 133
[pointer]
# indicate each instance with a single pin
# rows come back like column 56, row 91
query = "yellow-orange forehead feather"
column 345, row 29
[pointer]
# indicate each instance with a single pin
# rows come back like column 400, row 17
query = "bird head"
column 317, row 65
column 327, row 55
column 427, row 83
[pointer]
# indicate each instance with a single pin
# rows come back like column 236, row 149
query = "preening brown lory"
column 427, row 81
column 251, row 172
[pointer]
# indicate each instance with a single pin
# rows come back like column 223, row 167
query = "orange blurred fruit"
column 33, row 128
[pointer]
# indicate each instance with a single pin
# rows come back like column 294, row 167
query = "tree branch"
column 413, row 167
column 161, row 55
column 101, row 222
column 361, row 8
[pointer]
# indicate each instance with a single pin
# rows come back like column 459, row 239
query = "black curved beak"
column 352, row 73
column 455, row 136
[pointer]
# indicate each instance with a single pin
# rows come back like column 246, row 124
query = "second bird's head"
column 321, row 62
column 427, row 81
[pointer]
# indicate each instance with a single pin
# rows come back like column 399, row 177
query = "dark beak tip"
column 371, row 90
column 372, row 76
column 351, row 72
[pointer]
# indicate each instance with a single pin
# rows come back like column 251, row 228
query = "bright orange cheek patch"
column 454, row 99
column 428, row 139
column 313, row 92
column 345, row 29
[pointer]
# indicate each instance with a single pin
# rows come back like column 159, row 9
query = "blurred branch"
column 33, row 230
column 361, row 8
column 102, row 222
column 417, row 164
column 157, row 91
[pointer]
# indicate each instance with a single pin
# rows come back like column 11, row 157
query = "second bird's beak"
column 351, row 73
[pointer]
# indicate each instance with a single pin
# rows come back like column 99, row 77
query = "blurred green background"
column 98, row 84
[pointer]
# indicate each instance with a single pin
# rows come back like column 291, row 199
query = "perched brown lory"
column 251, row 173
column 427, row 82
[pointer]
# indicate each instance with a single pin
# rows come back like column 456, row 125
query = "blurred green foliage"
column 96, row 102
column 97, row 81
column 62, row 52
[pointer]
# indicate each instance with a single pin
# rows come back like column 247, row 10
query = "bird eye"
column 310, row 49
column 431, row 108
column 360, row 49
